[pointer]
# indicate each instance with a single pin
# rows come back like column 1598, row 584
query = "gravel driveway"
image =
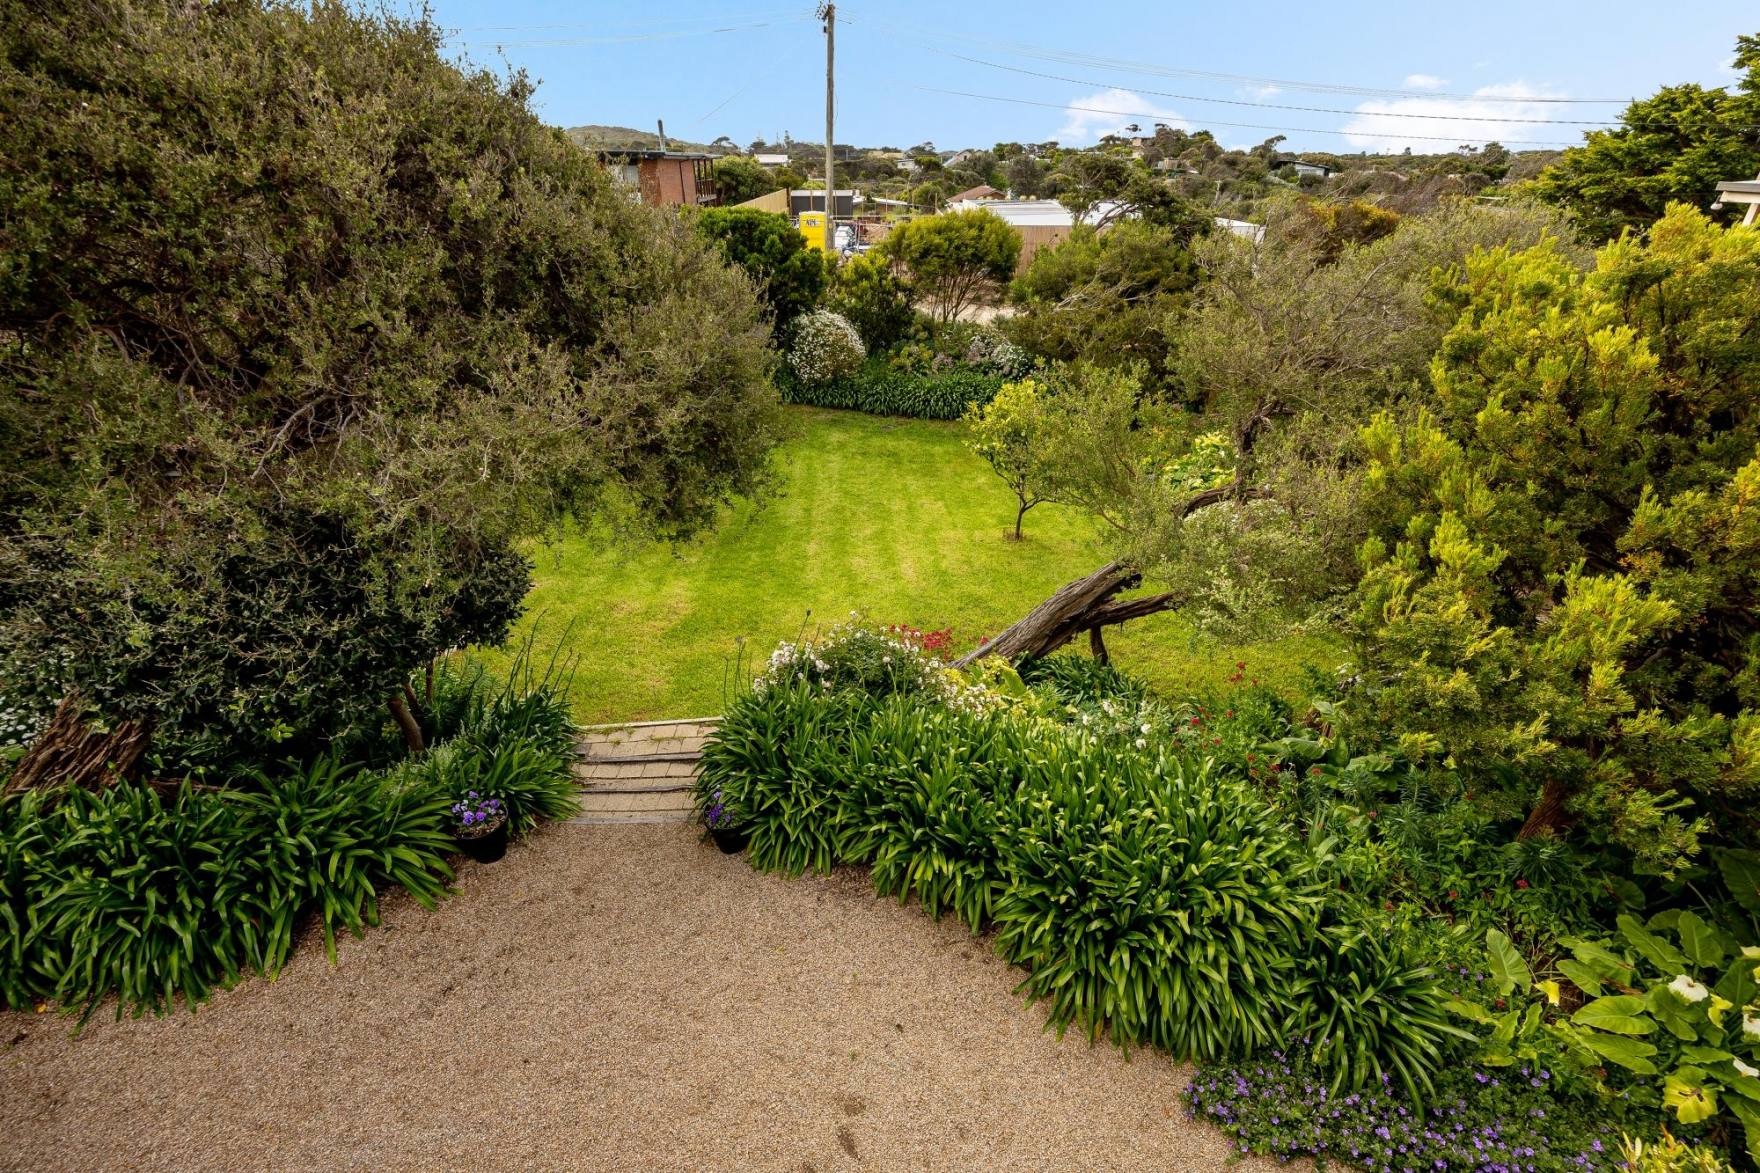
column 606, row 998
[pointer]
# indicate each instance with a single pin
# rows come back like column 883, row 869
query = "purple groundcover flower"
column 1481, row 1124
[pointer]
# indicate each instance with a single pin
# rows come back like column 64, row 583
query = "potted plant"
column 729, row 836
column 482, row 827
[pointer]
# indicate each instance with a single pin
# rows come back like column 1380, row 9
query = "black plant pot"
column 489, row 846
column 731, row 840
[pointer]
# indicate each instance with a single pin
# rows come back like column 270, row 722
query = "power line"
column 514, row 28
column 1309, row 109
column 1237, row 125
column 665, row 36
column 1123, row 65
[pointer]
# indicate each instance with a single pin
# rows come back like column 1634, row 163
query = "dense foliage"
column 790, row 276
column 159, row 899
column 1675, row 146
column 1147, row 892
column 882, row 388
column 1104, row 297
column 305, row 330
column 953, row 260
column 823, row 346
column 875, row 299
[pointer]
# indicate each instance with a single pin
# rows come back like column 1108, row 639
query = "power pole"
column 828, row 13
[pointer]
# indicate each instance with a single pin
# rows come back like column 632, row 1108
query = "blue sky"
column 1072, row 71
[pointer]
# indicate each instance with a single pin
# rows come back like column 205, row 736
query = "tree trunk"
column 1548, row 815
column 1083, row 605
column 1019, row 514
column 412, row 733
column 1097, row 645
column 72, row 753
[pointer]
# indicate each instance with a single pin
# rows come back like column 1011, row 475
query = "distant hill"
column 624, row 138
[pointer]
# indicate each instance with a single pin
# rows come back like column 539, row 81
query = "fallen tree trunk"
column 1083, row 605
column 71, row 752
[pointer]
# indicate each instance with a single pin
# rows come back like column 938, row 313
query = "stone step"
column 607, row 819
column 649, row 802
column 613, row 773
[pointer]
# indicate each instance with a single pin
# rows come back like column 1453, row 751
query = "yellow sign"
column 813, row 228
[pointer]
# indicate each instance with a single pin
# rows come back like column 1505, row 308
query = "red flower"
column 1388, row 906
column 1251, row 758
column 1453, row 895
column 1521, row 883
column 1230, row 713
column 1374, row 814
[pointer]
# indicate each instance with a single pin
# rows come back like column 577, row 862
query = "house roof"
column 612, row 155
column 771, row 160
column 982, row 192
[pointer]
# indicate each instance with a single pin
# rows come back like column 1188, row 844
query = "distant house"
column 664, row 177
column 981, row 192
column 1740, row 191
column 955, row 159
column 1169, row 167
column 1242, row 228
column 1319, row 170
column 768, row 160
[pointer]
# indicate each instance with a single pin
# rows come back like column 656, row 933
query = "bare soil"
column 606, row 998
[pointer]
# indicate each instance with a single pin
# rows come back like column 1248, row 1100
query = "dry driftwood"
column 1083, row 605
column 71, row 752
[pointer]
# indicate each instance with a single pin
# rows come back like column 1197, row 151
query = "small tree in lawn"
column 954, row 258
column 1009, row 433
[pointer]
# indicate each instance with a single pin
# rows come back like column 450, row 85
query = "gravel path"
column 606, row 998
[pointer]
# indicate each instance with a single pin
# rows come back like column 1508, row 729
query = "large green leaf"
column 1738, row 983
column 1700, row 941
column 1685, row 1092
column 1619, row 1013
column 1741, row 871
column 1658, row 952
column 1632, row 1054
column 1748, row 1113
column 1507, row 968
column 1582, row 976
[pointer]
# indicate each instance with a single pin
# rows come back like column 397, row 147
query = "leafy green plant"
column 1373, row 1017
column 1152, row 899
column 1685, row 1009
column 878, row 388
column 777, row 765
column 151, row 900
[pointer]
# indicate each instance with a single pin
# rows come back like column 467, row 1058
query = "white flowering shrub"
column 824, row 346
column 880, row 662
column 995, row 355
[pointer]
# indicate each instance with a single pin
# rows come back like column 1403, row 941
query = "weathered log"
column 71, row 752
column 1083, row 605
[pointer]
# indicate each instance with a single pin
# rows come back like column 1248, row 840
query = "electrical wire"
column 515, row 28
column 1237, row 125
column 665, row 36
column 1123, row 65
column 786, row 57
column 1604, row 122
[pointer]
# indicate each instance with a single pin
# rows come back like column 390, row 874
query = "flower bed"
column 879, row 388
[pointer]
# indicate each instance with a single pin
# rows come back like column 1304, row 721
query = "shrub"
column 875, row 301
column 953, row 259
column 334, row 837
column 778, row 765
column 790, row 276
column 323, row 327
column 823, row 347
column 878, row 388
column 1151, row 899
column 154, row 901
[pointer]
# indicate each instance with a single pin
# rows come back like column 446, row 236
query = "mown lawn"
column 891, row 518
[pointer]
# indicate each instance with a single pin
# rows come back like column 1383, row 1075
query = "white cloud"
column 1264, row 91
column 1424, row 81
column 1492, row 116
column 1084, row 123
